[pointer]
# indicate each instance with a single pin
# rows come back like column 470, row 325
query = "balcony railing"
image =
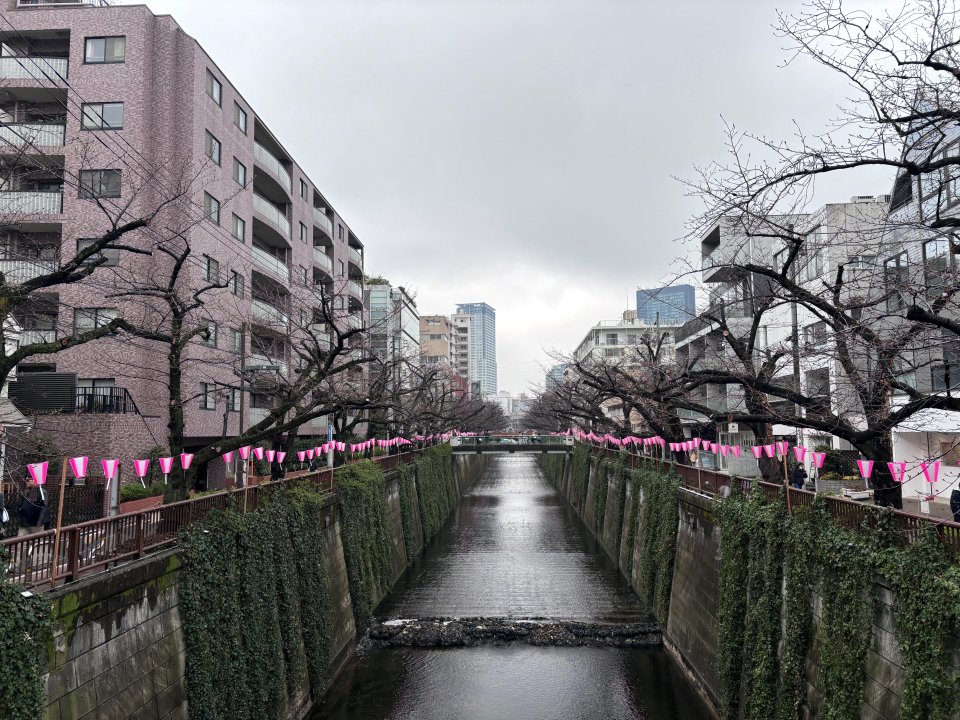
column 60, row 3
column 272, row 263
column 33, row 68
column 31, row 337
column 322, row 259
column 265, row 159
column 266, row 311
column 32, row 203
column 271, row 215
column 356, row 258
column 355, row 289
column 322, row 221
column 32, row 134
column 262, row 362
column 16, row 272
column 105, row 400
column 321, row 334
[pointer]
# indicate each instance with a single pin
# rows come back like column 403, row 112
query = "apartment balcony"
column 353, row 321
column 323, row 222
column 256, row 415
column 355, row 289
column 321, row 334
column 60, row 3
column 271, row 215
column 33, row 337
column 42, row 69
column 263, row 363
column 266, row 160
column 16, row 272
column 274, row 265
column 356, row 258
column 19, row 135
column 102, row 400
column 265, row 311
column 322, row 259
column 31, row 203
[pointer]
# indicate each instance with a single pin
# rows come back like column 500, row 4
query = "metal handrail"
column 272, row 215
column 98, row 544
column 321, row 220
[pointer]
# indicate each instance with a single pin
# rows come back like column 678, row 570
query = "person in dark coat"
column 276, row 471
column 798, row 476
column 30, row 514
column 955, row 504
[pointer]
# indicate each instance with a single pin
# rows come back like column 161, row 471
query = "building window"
column 239, row 228
column 239, row 172
column 303, row 233
column 895, row 274
column 102, row 50
column 87, row 319
column 212, row 147
column 233, row 400
column 211, row 208
column 303, row 189
column 208, row 396
column 240, row 117
column 815, row 333
column 211, row 339
column 936, row 266
column 102, row 116
column 341, row 267
column 214, row 88
column 236, row 283
column 236, row 341
column 303, row 274
column 902, row 192
column 211, row 269
column 340, row 231
column 111, row 255
column 99, row 184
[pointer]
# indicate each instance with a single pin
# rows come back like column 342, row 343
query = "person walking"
column 955, row 504
column 30, row 514
column 798, row 476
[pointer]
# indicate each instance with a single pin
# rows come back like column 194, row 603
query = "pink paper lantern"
column 866, row 468
column 38, row 472
column 724, row 449
column 271, row 454
column 735, row 449
column 782, row 447
column 166, row 465
column 931, row 472
column 79, row 466
column 310, row 453
column 818, row 458
column 301, row 454
column 799, row 453
column 140, row 467
column 280, row 456
column 897, row 470
column 769, row 450
column 245, row 452
column 185, row 460
column 258, row 453
column 228, row 457
column 109, row 468
column 757, row 451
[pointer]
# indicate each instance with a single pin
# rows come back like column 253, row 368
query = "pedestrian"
column 955, row 504
column 276, row 470
column 31, row 514
column 798, row 476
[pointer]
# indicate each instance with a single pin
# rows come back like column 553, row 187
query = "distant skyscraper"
column 555, row 375
column 483, row 346
column 672, row 305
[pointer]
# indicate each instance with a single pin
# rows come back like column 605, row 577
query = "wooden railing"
column 850, row 514
column 98, row 544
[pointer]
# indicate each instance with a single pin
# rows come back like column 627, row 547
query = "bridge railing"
column 847, row 513
column 95, row 545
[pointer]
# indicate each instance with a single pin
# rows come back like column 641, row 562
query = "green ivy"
column 437, row 489
column 365, row 533
column 580, row 477
column 25, row 626
column 254, row 601
column 659, row 513
column 619, row 473
column 732, row 605
column 601, row 481
column 406, row 485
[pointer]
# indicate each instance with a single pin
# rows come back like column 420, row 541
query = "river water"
column 512, row 548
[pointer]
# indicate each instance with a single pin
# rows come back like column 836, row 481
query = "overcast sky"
column 520, row 153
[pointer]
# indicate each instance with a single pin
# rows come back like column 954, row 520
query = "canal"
column 512, row 548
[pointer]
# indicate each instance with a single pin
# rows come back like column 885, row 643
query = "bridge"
column 482, row 444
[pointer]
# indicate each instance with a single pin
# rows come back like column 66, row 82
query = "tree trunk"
column 887, row 492
column 178, row 487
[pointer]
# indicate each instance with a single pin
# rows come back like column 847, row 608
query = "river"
column 512, row 548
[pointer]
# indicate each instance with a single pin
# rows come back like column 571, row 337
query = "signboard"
column 733, row 428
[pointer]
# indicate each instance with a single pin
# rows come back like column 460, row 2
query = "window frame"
column 243, row 228
column 304, row 189
column 112, row 254
column 210, row 82
column 211, row 142
column 208, row 396
column 100, row 183
column 236, row 285
column 211, row 341
column 237, row 111
column 211, row 266
column 239, row 166
column 105, row 38
column 210, row 206
column 304, row 233
column 900, row 267
column 97, row 317
column 236, row 341
column 102, row 127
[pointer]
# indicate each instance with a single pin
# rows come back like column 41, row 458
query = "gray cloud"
column 519, row 153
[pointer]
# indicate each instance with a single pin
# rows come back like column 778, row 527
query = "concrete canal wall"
column 690, row 632
column 118, row 648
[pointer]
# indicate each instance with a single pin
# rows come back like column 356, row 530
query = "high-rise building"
column 672, row 305
column 101, row 106
column 555, row 375
column 394, row 324
column 460, row 350
column 483, row 346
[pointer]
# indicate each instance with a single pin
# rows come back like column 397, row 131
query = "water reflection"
column 512, row 548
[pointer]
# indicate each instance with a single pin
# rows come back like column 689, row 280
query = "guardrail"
column 93, row 546
column 846, row 513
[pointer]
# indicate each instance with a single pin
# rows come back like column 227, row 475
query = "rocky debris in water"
column 464, row 632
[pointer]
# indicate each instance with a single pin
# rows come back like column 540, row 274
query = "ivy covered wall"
column 24, row 633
